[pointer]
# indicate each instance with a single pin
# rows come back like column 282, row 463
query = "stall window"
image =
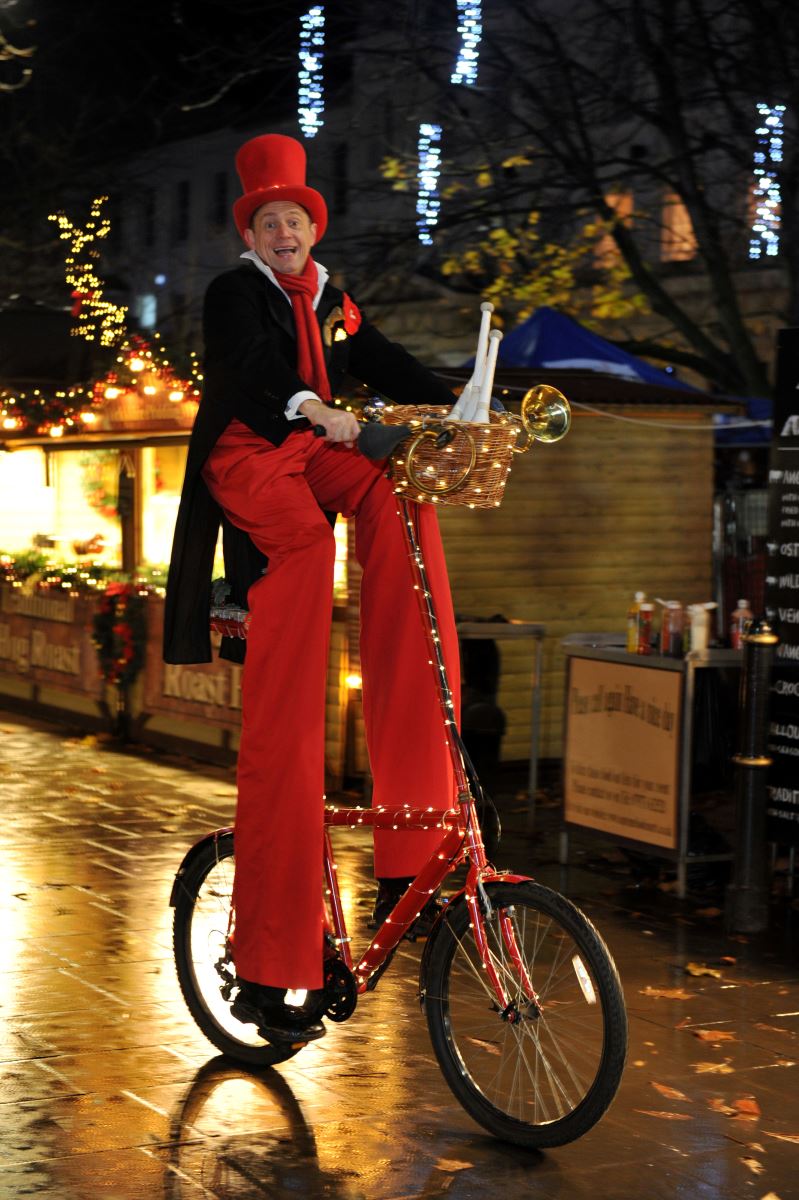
column 162, row 469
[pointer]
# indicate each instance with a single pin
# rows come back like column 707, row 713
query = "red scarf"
column 310, row 355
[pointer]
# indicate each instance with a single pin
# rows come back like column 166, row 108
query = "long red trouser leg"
column 275, row 495
column 279, row 815
column 405, row 730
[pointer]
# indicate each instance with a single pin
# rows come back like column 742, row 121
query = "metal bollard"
column 746, row 909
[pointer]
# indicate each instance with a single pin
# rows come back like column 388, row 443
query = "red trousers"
column 276, row 494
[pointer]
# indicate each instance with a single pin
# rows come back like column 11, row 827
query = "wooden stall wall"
column 623, row 503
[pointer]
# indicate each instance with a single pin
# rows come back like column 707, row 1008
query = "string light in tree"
column 428, row 204
column 470, row 27
column 96, row 319
column 311, row 103
column 766, row 195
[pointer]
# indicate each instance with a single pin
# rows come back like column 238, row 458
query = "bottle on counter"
column 646, row 613
column 699, row 618
column 671, row 629
column 741, row 616
column 633, row 614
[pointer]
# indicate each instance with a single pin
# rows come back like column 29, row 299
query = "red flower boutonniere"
column 352, row 317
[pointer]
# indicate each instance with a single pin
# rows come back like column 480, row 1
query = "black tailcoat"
column 250, row 374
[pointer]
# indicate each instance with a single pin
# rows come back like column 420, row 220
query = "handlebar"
column 377, row 441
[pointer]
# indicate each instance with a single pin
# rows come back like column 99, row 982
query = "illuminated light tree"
column 97, row 319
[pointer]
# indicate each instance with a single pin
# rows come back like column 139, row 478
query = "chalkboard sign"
column 782, row 596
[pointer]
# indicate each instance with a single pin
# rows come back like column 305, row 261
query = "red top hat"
column 272, row 167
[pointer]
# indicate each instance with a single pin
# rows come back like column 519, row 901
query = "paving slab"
column 108, row 1091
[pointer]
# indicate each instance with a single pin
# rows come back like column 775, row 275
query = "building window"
column 607, row 252
column 677, row 237
column 182, row 201
column 218, row 208
column 147, row 310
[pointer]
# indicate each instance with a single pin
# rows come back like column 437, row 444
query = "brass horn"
column 546, row 414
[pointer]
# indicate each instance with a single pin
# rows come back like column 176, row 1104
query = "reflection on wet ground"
column 107, row 1089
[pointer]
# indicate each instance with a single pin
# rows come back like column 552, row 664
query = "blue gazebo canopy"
column 551, row 340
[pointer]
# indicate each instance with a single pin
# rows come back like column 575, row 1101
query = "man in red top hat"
column 279, row 340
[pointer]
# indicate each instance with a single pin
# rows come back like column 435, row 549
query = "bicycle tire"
column 546, row 1079
column 202, row 912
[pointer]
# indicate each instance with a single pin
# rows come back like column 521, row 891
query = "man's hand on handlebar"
column 339, row 426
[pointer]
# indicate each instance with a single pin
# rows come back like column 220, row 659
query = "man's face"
column 281, row 234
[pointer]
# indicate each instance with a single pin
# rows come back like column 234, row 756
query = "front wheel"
column 204, row 965
column 540, row 1073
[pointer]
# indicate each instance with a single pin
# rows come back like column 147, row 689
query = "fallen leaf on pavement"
column 770, row 1028
column 714, row 1035
column 708, row 912
column 451, row 1164
column 783, row 1137
column 698, row 969
column 770, row 1196
column 754, row 1166
column 747, row 1106
column 667, row 993
column 711, row 1068
column 489, row 1047
column 728, row 959
column 669, row 1092
column 718, row 1105
column 664, row 1116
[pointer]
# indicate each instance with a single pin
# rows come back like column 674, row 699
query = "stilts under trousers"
column 277, row 494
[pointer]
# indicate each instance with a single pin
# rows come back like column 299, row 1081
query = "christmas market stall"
column 95, row 473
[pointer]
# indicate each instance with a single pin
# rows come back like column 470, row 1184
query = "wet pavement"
column 108, row 1090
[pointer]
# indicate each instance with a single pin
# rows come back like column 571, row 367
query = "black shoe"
column 265, row 1007
column 389, row 892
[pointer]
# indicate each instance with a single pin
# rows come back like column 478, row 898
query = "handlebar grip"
column 319, row 431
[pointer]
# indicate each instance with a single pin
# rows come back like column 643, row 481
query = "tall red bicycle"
column 522, row 998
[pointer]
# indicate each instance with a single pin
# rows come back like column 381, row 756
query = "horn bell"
column 546, row 413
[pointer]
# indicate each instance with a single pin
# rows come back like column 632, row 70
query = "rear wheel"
column 202, row 956
column 537, row 1074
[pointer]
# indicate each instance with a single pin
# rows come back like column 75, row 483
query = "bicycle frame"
column 461, row 840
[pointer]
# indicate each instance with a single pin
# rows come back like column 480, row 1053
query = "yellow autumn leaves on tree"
column 518, row 268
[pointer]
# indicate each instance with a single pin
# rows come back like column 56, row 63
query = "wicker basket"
column 469, row 470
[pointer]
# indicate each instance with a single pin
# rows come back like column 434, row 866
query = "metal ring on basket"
column 424, row 486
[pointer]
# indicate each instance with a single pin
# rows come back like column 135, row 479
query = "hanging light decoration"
column 470, row 27
column 428, row 203
column 766, row 195
column 311, row 91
